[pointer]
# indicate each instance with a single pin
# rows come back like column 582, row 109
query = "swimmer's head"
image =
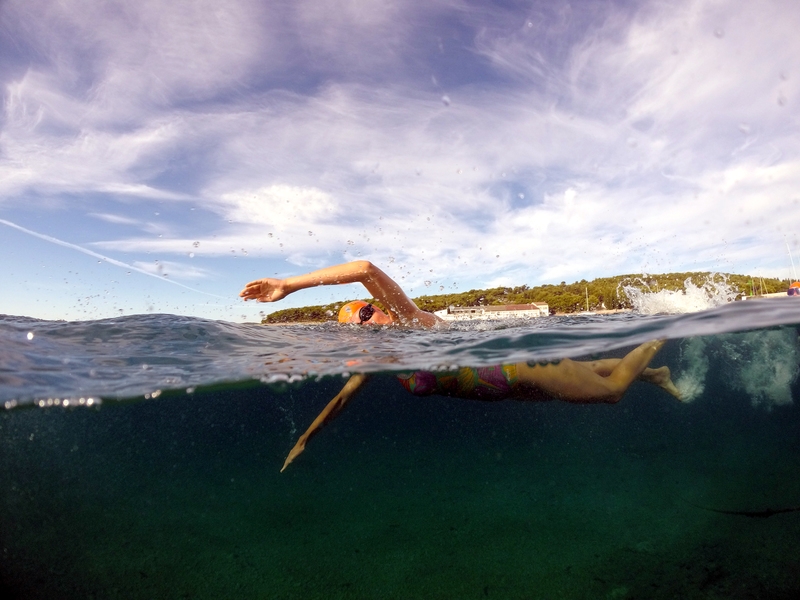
column 361, row 313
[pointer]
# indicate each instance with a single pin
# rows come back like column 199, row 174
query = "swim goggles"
column 365, row 313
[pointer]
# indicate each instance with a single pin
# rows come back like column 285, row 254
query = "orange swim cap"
column 349, row 312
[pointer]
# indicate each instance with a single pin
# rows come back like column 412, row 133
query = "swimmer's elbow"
column 365, row 267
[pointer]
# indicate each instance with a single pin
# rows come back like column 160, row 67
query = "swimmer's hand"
column 264, row 290
column 296, row 451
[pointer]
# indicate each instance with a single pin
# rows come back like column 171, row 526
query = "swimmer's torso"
column 482, row 383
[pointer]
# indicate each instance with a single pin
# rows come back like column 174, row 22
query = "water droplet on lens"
column 521, row 196
column 719, row 32
column 427, row 283
column 744, row 128
column 191, row 254
column 446, row 100
column 30, row 335
column 196, row 244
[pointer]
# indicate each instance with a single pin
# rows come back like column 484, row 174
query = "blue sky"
column 155, row 156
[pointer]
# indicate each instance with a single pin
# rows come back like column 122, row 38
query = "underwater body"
column 140, row 458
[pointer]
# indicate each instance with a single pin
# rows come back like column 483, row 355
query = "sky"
column 156, row 156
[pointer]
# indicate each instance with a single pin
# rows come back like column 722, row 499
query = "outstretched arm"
column 400, row 307
column 333, row 408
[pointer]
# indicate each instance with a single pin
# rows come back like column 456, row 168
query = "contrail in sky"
column 115, row 262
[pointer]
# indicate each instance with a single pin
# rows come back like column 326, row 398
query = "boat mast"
column 789, row 250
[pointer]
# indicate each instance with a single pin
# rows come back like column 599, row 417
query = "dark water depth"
column 180, row 495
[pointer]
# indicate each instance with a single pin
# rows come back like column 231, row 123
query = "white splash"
column 715, row 291
column 761, row 364
column 694, row 367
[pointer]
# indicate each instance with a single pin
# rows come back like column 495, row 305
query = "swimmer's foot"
column 662, row 377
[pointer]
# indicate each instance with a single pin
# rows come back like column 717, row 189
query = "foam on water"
column 715, row 291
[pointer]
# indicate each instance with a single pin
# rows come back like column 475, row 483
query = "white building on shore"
column 507, row 311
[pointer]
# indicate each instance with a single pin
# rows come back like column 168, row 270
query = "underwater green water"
column 402, row 497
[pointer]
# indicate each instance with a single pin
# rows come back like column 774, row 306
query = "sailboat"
column 587, row 311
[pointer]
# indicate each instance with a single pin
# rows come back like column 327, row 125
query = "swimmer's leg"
column 574, row 381
column 661, row 376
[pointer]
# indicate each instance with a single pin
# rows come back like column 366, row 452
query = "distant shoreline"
column 601, row 296
column 611, row 311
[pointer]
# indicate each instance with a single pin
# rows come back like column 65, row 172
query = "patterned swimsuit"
column 483, row 383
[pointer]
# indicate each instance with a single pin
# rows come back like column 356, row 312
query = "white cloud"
column 280, row 206
column 590, row 142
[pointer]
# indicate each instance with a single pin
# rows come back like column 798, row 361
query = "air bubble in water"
column 30, row 335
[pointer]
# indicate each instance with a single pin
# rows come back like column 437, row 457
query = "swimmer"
column 599, row 381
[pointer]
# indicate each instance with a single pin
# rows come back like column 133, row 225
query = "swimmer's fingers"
column 263, row 290
column 294, row 453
